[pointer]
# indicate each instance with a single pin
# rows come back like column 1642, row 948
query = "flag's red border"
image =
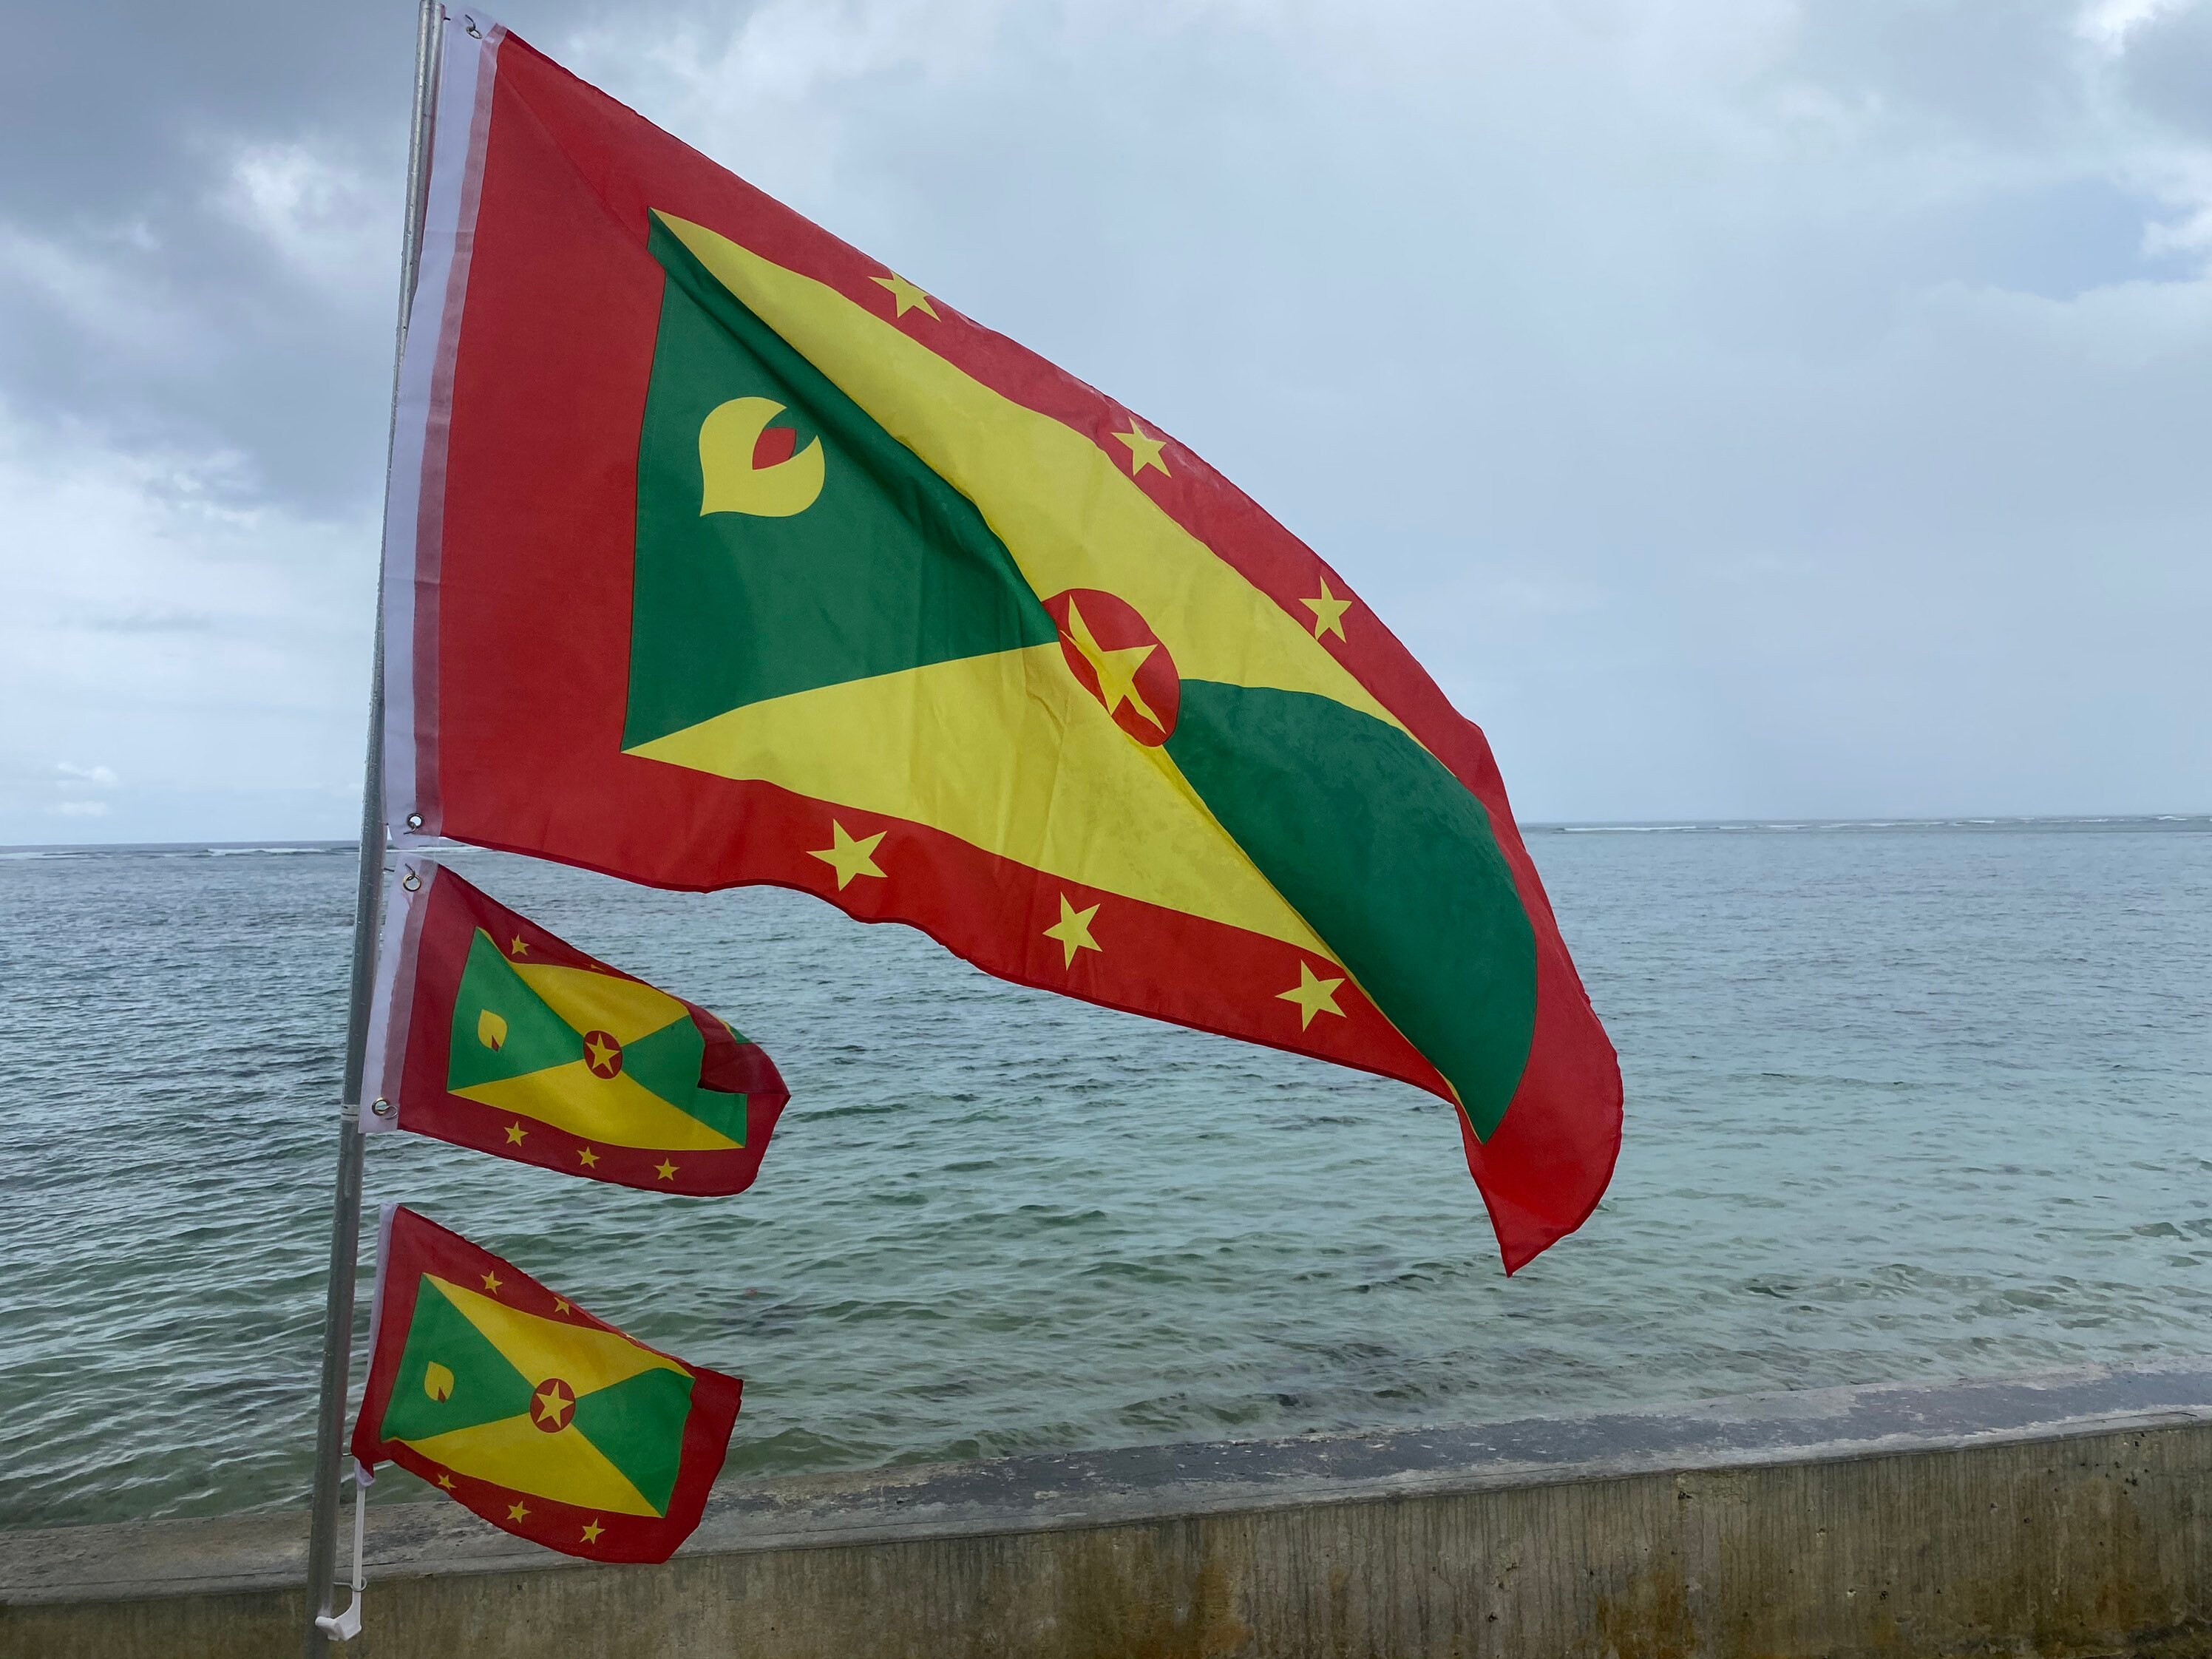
column 412, row 1245
column 554, row 162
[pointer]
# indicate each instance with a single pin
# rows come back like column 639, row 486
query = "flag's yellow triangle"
column 515, row 1453
column 1008, row 752
column 625, row 1009
column 613, row 1111
column 585, row 1358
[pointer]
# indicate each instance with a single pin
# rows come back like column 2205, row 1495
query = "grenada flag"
column 515, row 1402
column 722, row 553
column 489, row 1031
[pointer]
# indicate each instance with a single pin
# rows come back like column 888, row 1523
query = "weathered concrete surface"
column 2067, row 1514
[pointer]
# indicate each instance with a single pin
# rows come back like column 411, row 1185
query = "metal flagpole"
column 368, row 895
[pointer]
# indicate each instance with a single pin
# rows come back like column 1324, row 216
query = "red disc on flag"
column 552, row 1404
column 1115, row 656
column 602, row 1054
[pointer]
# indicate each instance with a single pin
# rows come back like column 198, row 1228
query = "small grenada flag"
column 548, row 1423
column 719, row 552
column 489, row 1031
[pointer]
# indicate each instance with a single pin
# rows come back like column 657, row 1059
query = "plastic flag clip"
column 347, row 1625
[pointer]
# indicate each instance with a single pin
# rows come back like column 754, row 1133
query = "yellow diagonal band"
column 514, row 1452
column 585, row 1358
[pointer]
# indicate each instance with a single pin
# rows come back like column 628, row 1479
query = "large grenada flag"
column 722, row 553
column 515, row 1401
column 490, row 1031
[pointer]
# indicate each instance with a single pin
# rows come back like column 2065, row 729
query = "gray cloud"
column 142, row 621
column 205, row 252
column 2168, row 69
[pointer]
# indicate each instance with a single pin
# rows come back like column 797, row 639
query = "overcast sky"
column 1744, row 407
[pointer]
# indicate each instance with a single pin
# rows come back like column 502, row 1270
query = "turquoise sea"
column 1906, row 1100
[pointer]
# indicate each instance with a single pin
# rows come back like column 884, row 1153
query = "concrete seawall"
column 2069, row 1514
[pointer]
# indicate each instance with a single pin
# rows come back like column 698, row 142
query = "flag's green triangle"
column 887, row 568
column 451, row 1376
column 1391, row 860
column 667, row 1062
column 638, row 1423
column 725, row 1114
column 502, row 1028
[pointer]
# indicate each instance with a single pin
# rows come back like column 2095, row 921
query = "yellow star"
column 600, row 1052
column 491, row 1283
column 1116, row 670
column 1144, row 449
column 560, row 1305
column 516, row 1511
column 446, row 1481
column 665, row 1169
column 588, row 1157
column 519, row 947
column 1329, row 612
column 515, row 1134
column 1072, row 930
column 551, row 1406
column 906, row 296
column 1314, row 995
column 847, row 857
column 591, row 1530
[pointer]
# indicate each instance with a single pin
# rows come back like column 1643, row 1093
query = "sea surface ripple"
column 1905, row 1101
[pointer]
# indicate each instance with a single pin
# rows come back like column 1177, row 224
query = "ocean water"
column 1904, row 1100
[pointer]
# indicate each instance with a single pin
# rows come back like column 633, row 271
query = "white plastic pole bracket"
column 346, row 1626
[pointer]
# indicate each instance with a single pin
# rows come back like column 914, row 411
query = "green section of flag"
column 479, row 1385
column 638, row 1424
column 1390, row 860
column 722, row 1112
column 667, row 1062
column 889, row 568
column 725, row 1114
column 523, row 1034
